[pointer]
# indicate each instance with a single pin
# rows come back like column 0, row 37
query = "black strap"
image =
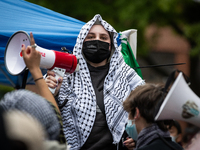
column 163, row 65
column 169, row 81
column 65, row 101
column 172, row 78
column 25, row 79
column 63, row 104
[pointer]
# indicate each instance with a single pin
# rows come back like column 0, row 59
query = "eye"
column 90, row 37
column 104, row 38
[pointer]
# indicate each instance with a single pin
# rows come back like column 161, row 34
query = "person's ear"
column 137, row 113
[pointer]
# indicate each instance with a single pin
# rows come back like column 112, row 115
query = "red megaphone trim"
column 66, row 61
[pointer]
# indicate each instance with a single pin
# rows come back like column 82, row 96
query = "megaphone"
column 49, row 58
column 181, row 103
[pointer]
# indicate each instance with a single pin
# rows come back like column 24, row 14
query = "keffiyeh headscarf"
column 80, row 110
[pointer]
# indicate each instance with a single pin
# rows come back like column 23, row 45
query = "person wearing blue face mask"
column 175, row 132
column 131, row 129
column 91, row 99
column 141, row 106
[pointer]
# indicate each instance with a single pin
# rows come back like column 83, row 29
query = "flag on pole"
column 128, row 55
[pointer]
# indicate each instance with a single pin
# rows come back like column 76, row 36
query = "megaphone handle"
column 59, row 72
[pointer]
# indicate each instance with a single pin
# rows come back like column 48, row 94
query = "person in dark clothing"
column 140, row 104
column 92, row 112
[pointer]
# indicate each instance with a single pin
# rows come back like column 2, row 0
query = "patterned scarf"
column 149, row 134
column 80, row 110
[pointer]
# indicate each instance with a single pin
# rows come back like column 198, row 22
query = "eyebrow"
column 100, row 33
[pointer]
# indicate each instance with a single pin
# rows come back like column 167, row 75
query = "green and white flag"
column 127, row 53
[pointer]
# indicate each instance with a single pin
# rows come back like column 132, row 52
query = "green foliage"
column 181, row 15
column 192, row 34
column 4, row 89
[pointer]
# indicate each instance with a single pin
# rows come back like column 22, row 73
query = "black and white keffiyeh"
column 80, row 111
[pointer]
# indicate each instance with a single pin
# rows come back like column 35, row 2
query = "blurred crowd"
column 105, row 105
column 29, row 122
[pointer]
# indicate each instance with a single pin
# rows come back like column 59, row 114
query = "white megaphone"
column 14, row 63
column 181, row 103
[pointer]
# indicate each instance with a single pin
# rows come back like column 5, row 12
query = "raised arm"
column 32, row 60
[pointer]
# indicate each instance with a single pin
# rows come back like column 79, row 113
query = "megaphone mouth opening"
column 181, row 103
column 14, row 62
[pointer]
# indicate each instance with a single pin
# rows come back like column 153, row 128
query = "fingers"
column 32, row 39
column 129, row 140
column 59, row 85
column 25, row 51
column 60, row 79
column 129, row 143
column 51, row 73
column 51, row 82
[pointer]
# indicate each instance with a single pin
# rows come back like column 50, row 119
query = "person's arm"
column 50, row 81
column 32, row 87
column 30, row 84
column 32, row 60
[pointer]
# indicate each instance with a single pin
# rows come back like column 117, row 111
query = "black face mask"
column 96, row 51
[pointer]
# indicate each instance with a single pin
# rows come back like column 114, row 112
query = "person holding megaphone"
column 141, row 106
column 32, row 59
column 90, row 100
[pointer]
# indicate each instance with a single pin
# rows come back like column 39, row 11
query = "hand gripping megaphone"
column 50, row 59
